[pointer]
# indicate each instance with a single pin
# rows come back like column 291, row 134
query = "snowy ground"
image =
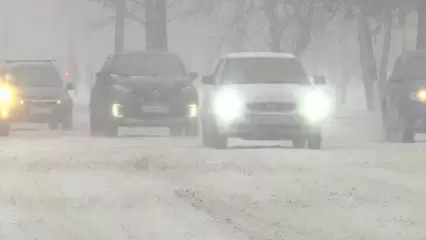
column 146, row 185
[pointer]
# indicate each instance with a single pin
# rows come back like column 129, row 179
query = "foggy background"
column 68, row 31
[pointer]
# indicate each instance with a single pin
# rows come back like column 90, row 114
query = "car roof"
column 259, row 55
column 8, row 65
column 142, row 52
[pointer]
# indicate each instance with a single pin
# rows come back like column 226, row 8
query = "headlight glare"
column 315, row 107
column 420, row 95
column 6, row 95
column 228, row 105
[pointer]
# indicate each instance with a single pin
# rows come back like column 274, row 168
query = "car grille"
column 272, row 107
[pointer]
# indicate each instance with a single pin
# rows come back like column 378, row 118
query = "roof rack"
column 27, row 61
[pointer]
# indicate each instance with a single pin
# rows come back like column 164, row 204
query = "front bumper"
column 135, row 117
column 271, row 127
column 39, row 111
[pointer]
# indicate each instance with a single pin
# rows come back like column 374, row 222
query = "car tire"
column 67, row 122
column 315, row 141
column 299, row 142
column 176, row 131
column 191, row 128
column 212, row 137
column 53, row 124
column 218, row 140
column 4, row 129
column 408, row 134
column 110, row 128
column 389, row 131
column 94, row 125
column 206, row 137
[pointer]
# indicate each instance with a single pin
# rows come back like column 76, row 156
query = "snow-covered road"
column 66, row 185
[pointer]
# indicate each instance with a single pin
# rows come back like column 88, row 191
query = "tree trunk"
column 367, row 59
column 120, row 11
column 305, row 28
column 156, row 25
column 421, row 25
column 384, row 61
column 274, row 30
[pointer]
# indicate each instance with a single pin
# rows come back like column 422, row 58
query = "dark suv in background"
column 144, row 89
column 41, row 94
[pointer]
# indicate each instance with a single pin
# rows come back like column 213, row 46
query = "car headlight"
column 420, row 95
column 315, row 106
column 228, row 105
column 6, row 95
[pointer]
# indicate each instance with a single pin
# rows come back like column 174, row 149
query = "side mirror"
column 319, row 80
column 193, row 76
column 69, row 86
column 208, row 80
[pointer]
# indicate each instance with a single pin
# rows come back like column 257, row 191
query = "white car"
column 263, row 96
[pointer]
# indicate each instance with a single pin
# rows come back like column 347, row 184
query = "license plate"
column 36, row 111
column 260, row 119
column 155, row 109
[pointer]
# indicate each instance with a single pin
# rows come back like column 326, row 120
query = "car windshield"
column 157, row 65
column 36, row 75
column 264, row 71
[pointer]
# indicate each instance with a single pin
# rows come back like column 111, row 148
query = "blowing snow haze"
column 212, row 119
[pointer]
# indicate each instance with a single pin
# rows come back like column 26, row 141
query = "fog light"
column 22, row 102
column 58, row 102
column 4, row 114
column 192, row 110
column 116, row 110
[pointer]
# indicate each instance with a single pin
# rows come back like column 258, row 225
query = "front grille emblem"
column 155, row 94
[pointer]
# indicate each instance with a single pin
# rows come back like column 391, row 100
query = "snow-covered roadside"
column 69, row 185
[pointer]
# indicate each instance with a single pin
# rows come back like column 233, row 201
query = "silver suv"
column 263, row 96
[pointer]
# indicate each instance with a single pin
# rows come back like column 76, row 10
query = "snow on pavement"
column 66, row 185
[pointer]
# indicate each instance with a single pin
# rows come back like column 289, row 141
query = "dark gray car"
column 42, row 94
column 144, row 89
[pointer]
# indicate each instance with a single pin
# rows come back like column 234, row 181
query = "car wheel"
column 53, row 124
column 206, row 136
column 191, row 128
column 408, row 134
column 389, row 131
column 110, row 128
column 299, row 142
column 315, row 141
column 219, row 141
column 67, row 122
column 4, row 129
column 212, row 137
column 94, row 125
column 176, row 131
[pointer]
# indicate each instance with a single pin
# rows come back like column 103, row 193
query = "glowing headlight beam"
column 228, row 105
column 116, row 110
column 315, row 107
column 421, row 95
column 192, row 110
column 6, row 95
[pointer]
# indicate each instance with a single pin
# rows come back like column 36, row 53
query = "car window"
column 36, row 75
column 264, row 71
column 157, row 65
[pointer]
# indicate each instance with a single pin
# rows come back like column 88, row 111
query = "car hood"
column 42, row 92
column 131, row 82
column 166, row 88
column 272, row 92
